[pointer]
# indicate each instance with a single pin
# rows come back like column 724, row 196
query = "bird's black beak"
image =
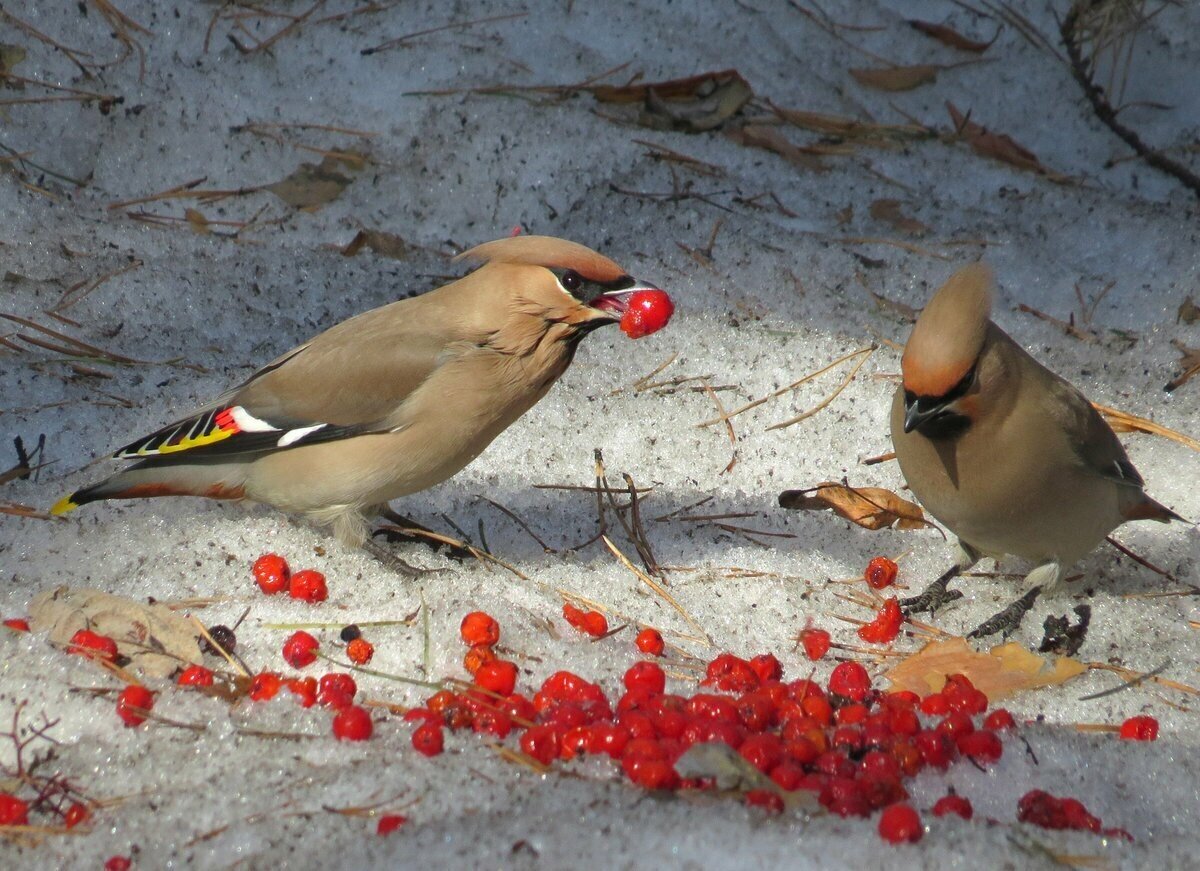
column 918, row 411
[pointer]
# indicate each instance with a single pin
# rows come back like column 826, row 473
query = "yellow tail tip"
column 64, row 505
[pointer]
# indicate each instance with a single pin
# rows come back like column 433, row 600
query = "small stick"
column 652, row 584
column 828, row 399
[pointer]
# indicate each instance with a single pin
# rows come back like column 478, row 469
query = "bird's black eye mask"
column 930, row 414
column 929, row 402
column 586, row 290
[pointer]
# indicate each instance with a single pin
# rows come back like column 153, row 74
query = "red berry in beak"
column 647, row 312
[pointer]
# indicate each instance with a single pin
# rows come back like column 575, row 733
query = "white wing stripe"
column 294, row 435
column 249, row 423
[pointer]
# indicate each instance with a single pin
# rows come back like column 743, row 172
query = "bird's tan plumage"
column 1016, row 460
column 397, row 399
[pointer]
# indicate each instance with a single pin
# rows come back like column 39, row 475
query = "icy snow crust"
column 451, row 171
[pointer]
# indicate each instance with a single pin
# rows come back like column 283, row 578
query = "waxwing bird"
column 1003, row 452
column 391, row 401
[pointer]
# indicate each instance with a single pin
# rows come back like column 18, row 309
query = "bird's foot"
column 400, row 529
column 1009, row 619
column 932, row 597
column 394, row 562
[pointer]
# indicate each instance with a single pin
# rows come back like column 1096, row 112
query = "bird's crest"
column 547, row 251
column 949, row 334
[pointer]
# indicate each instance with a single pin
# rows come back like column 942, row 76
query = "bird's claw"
column 395, row 534
column 394, row 562
column 1007, row 621
column 932, row 597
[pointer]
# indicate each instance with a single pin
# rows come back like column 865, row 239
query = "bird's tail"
column 216, row 481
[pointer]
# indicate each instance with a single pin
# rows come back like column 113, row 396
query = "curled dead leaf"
column 870, row 507
column 998, row 146
column 889, row 210
column 197, row 221
column 896, row 78
column 1188, row 312
column 769, row 138
column 1001, row 672
column 1189, row 364
column 949, row 36
column 155, row 639
column 384, row 244
column 313, row 185
column 693, row 104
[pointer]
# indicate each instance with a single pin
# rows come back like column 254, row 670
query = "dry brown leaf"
column 10, row 56
column 197, row 221
column 1188, row 313
column 1001, row 672
column 998, row 146
column 902, row 310
column 156, row 640
column 889, row 211
column 312, row 185
column 949, row 36
column 384, row 244
column 870, row 507
column 764, row 136
column 1189, row 363
column 848, row 128
column 896, row 78
column 695, row 104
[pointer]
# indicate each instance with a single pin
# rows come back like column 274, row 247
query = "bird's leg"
column 394, row 562
column 430, row 539
column 1038, row 581
column 935, row 595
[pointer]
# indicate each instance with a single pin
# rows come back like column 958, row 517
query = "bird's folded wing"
column 1093, row 440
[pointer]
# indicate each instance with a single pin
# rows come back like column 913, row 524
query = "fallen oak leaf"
column 872, row 508
column 1001, row 672
column 949, row 36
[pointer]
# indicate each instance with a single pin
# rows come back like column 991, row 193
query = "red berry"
column 886, row 625
column 849, row 679
column 271, row 572
column 335, row 690
column 265, row 685
column 935, row 705
column 390, row 823
column 881, row 572
column 133, row 703
column 645, row 676
column 646, row 312
column 899, row 824
column 118, row 863
column 300, row 649
column 13, row 811
column 591, row 623
column 352, row 724
column 19, row 624
column 489, row 721
column 196, row 676
column 999, row 720
column 608, row 739
column 477, row 656
column 427, row 739
column 1142, row 728
column 764, row 751
column 540, row 742
column 937, row 748
column 767, row 667
column 731, row 674
column 77, row 813
column 87, row 643
column 767, row 799
column 650, row 642
column 981, row 745
column 816, row 643
column 308, row 585
column 954, row 804
column 359, row 651
column 479, row 627
column 498, row 676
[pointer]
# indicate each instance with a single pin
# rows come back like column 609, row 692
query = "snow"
column 783, row 295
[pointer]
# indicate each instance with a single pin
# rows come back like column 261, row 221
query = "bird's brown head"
column 561, row 282
column 940, row 362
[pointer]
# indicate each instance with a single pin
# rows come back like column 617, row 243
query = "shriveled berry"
column 352, row 724
column 300, row 649
column 498, row 676
column 650, row 642
column 196, row 676
column 900, row 824
column 389, row 823
column 308, row 586
column 93, row 645
column 816, row 643
column 954, row 804
column 304, row 688
column 591, row 623
column 477, row 657
column 886, row 625
column 359, row 651
column 646, row 312
column 223, row 637
column 1141, row 728
column 479, row 627
column 76, row 814
column 271, row 573
column 17, row 624
column 350, row 632
column 428, row 740
column 850, row 680
column 133, row 703
column 881, row 572
column 13, row 811
column 265, row 685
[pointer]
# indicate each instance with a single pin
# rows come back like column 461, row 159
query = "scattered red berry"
column 390, row 823
column 427, row 739
column 336, row 690
column 849, row 679
column 647, row 677
column 13, row 811
column 999, row 720
column 359, row 651
column 886, row 625
column 1043, row 809
column 77, row 813
column 300, row 649
column 591, row 623
column 19, row 624
column 900, row 824
column 650, row 642
column 265, row 685
column 304, row 688
column 498, row 676
column 479, row 628
column 881, row 572
column 816, row 643
column 196, row 676
column 478, row 656
column 981, row 745
column 1141, row 728
column 954, row 804
column 87, row 643
column 133, row 703
column 118, row 863
column 271, row 573
column 352, row 723
column 647, row 312
column 308, row 585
